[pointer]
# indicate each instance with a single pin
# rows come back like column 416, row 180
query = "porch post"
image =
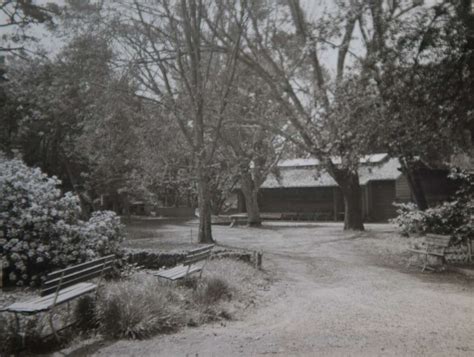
column 334, row 202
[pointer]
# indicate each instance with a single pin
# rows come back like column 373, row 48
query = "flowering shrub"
column 409, row 218
column 442, row 219
column 40, row 229
column 450, row 218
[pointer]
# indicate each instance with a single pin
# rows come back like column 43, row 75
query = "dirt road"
column 336, row 294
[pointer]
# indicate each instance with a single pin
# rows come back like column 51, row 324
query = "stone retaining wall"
column 155, row 259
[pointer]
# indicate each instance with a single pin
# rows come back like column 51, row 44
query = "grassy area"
column 163, row 234
column 141, row 305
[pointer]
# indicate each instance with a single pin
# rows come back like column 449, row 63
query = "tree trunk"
column 250, row 193
column 415, row 184
column 204, row 205
column 350, row 187
column 126, row 207
column 84, row 200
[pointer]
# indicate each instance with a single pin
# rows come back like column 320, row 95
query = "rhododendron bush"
column 451, row 218
column 40, row 229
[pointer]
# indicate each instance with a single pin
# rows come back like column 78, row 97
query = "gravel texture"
column 335, row 293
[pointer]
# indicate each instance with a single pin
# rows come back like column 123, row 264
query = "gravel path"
column 335, row 293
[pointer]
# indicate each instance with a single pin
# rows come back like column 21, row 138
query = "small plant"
column 190, row 282
column 138, row 308
column 85, row 314
column 213, row 290
column 30, row 337
column 9, row 336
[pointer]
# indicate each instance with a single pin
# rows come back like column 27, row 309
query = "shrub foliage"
column 138, row 309
column 40, row 229
column 450, row 218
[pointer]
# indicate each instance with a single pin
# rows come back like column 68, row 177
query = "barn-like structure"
column 303, row 188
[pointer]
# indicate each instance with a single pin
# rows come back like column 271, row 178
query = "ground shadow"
column 87, row 348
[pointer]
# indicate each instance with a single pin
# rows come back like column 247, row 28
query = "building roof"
column 367, row 159
column 301, row 174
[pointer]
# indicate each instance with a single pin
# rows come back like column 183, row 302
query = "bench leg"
column 51, row 324
column 20, row 334
column 17, row 323
column 68, row 310
column 425, row 263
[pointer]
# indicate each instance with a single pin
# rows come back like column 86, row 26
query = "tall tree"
column 72, row 116
column 252, row 151
column 426, row 94
column 328, row 114
column 180, row 66
column 337, row 114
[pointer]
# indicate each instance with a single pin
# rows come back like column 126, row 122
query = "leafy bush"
column 85, row 314
column 442, row 219
column 409, row 218
column 138, row 308
column 212, row 290
column 30, row 338
column 40, row 229
column 450, row 218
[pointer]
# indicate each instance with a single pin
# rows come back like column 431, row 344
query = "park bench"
column 62, row 286
column 194, row 262
column 238, row 219
column 434, row 245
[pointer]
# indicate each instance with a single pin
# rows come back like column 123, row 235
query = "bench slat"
column 79, row 267
column 171, row 271
column 196, row 257
column 178, row 274
column 188, row 266
column 46, row 302
column 86, row 271
column 436, row 239
column 201, row 249
column 169, row 274
column 74, row 279
column 426, row 252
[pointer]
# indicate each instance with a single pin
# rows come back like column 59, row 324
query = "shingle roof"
column 299, row 175
column 372, row 159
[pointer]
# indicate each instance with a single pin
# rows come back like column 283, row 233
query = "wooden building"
column 302, row 187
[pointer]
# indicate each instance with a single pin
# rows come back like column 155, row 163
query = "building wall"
column 435, row 183
column 437, row 186
column 402, row 189
column 175, row 211
column 328, row 203
column 382, row 196
column 308, row 200
column 377, row 198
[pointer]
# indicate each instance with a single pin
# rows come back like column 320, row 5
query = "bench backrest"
column 437, row 240
column 198, row 254
column 76, row 274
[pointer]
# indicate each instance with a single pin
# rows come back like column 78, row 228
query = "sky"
column 51, row 44
column 312, row 8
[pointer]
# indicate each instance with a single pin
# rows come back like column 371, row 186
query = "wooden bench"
column 194, row 262
column 434, row 245
column 62, row 286
column 238, row 219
